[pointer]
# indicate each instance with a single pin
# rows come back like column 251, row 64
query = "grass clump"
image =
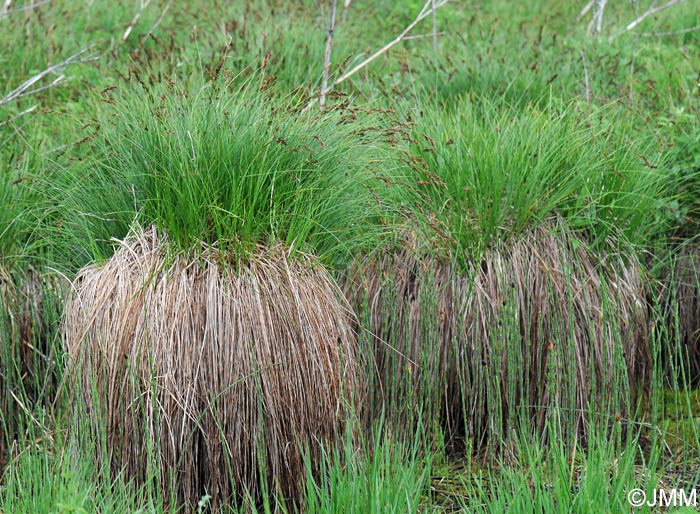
column 214, row 325
column 383, row 476
column 544, row 478
column 225, row 375
column 522, row 268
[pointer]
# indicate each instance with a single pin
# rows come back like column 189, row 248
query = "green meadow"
column 349, row 256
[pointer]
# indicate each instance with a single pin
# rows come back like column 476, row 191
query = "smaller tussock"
column 519, row 299
column 549, row 332
column 223, row 376
column 537, row 330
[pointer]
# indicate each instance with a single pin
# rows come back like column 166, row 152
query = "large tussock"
column 225, row 377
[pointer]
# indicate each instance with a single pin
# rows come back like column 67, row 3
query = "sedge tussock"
column 232, row 167
column 548, row 328
column 229, row 375
column 536, row 327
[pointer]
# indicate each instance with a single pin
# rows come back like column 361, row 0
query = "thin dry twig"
column 158, row 21
column 587, row 90
column 17, row 116
column 426, row 11
column 422, row 36
column 346, row 8
column 435, row 37
column 670, row 33
column 586, row 9
column 645, row 15
column 596, row 23
column 135, row 20
column 27, row 87
column 428, row 8
column 327, row 56
column 6, row 11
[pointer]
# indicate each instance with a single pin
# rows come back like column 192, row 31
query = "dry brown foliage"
column 582, row 342
column 540, row 326
column 225, row 376
column 406, row 308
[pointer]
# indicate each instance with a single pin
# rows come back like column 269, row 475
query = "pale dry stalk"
column 327, row 56
column 135, row 19
column 649, row 12
column 428, row 9
column 596, row 24
column 28, row 86
column 586, row 9
column 6, row 11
